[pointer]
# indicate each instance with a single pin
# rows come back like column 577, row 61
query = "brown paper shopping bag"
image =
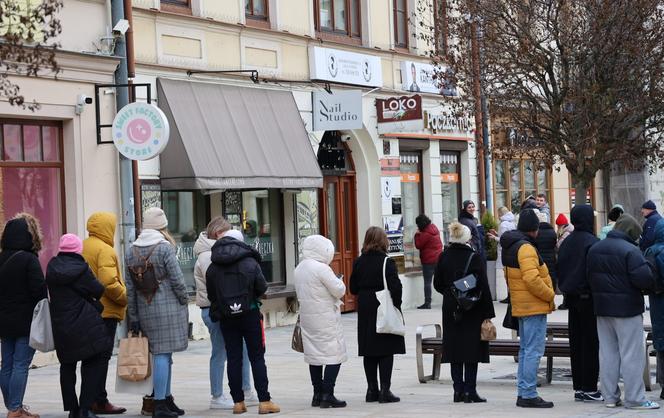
column 134, row 358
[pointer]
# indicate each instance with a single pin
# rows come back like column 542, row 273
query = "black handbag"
column 465, row 290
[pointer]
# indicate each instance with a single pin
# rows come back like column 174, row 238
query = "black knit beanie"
column 528, row 221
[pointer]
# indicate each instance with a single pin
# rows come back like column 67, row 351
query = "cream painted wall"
column 83, row 23
column 145, row 38
column 295, row 16
column 223, row 50
column 223, row 10
column 295, row 62
column 381, row 14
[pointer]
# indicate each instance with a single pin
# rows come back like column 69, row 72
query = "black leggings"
column 324, row 382
column 384, row 365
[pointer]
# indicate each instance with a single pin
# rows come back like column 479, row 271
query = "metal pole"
column 485, row 123
column 122, row 99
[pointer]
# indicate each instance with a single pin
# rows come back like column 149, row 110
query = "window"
column 517, row 179
column 176, row 6
column 256, row 9
column 341, row 17
column 450, row 188
column 31, row 177
column 400, row 23
column 259, row 215
column 410, row 167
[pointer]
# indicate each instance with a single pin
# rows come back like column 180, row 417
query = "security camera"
column 121, row 27
column 345, row 138
column 81, row 101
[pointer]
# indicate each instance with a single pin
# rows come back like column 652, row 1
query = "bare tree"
column 27, row 31
column 579, row 81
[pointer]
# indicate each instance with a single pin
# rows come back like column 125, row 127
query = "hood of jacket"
column 102, row 226
column 583, row 218
column 318, row 248
column 16, row 236
column 510, row 238
column 432, row 230
column 545, row 225
column 203, row 244
column 65, row 268
column 465, row 214
column 229, row 250
column 508, row 217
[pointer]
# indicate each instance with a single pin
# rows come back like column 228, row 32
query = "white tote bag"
column 41, row 331
column 389, row 320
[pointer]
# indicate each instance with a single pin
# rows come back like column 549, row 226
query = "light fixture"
column 106, row 45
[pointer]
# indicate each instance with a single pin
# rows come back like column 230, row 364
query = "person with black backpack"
column 655, row 256
column 234, row 284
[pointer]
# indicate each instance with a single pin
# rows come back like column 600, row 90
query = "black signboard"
column 396, row 243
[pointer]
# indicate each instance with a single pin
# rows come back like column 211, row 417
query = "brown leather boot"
column 239, row 408
column 148, row 406
column 268, row 407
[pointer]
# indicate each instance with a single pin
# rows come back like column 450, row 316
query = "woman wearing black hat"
column 467, row 219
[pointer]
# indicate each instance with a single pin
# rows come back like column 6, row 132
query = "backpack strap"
column 465, row 270
column 140, row 257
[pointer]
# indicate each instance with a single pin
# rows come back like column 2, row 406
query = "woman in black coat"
column 378, row 350
column 546, row 241
column 79, row 332
column 21, row 287
column 462, row 346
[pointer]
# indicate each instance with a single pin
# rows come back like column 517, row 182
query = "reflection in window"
column 525, row 178
column 400, row 23
column 306, row 203
column 339, row 16
column 256, row 9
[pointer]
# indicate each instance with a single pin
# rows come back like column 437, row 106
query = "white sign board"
column 140, row 131
column 419, row 77
column 337, row 111
column 345, row 67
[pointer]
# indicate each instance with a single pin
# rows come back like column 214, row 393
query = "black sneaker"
column 473, row 398
column 424, row 306
column 506, row 300
column 328, row 400
column 595, row 396
column 562, row 306
column 578, row 396
column 533, row 403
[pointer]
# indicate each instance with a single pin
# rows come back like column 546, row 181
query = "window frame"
column 333, row 34
column 548, row 190
column 176, row 6
column 395, row 13
column 257, row 20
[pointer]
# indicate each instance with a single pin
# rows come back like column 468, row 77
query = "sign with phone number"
column 396, row 244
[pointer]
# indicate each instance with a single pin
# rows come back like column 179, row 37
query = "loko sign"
column 397, row 109
column 140, row 131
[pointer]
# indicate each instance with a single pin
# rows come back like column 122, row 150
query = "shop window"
column 31, row 176
column 411, row 204
column 188, row 216
column 514, row 180
column 259, row 215
column 306, row 204
column 339, row 17
column 176, row 6
column 450, row 188
column 400, row 10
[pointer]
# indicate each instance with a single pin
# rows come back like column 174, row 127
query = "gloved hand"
column 135, row 327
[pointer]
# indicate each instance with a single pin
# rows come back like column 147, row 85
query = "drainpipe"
column 122, row 99
column 485, row 124
column 477, row 93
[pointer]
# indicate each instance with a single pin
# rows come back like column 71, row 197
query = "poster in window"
column 150, row 195
column 307, row 214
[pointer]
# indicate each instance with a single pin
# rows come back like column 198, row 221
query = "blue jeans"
column 161, row 375
column 532, row 334
column 218, row 358
column 16, row 358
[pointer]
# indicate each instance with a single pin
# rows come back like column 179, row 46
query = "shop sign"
column 395, row 243
column 390, row 166
column 419, row 77
column 140, row 131
column 410, row 177
column 338, row 111
column 345, row 67
column 443, row 121
column 397, row 109
column 449, row 178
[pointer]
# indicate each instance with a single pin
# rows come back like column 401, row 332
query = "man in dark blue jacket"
column 649, row 211
column 573, row 282
column 618, row 275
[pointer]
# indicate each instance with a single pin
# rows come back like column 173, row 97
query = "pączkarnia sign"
column 441, row 122
column 140, row 131
column 337, row 111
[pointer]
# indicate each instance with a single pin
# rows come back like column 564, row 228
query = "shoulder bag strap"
column 384, row 277
column 465, row 270
column 9, row 259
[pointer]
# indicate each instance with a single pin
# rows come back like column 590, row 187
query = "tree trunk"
column 581, row 191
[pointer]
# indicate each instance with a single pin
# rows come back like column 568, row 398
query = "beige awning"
column 228, row 137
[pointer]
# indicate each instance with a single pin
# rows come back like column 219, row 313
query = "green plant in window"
column 489, row 223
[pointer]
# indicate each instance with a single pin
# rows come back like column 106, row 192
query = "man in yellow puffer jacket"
column 531, row 297
column 99, row 253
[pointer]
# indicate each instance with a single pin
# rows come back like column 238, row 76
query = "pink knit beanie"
column 70, row 243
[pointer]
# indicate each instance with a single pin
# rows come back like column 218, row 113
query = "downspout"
column 485, row 124
column 477, row 93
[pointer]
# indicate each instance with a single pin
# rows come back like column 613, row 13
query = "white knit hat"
column 154, row 218
column 234, row 233
column 459, row 233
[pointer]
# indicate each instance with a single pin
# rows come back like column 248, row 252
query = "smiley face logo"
column 139, row 131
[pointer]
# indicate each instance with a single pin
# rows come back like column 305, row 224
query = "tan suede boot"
column 268, row 407
column 239, row 408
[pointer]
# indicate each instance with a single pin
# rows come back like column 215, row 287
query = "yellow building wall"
column 223, row 50
column 223, row 10
column 294, row 16
column 145, row 41
column 380, row 12
column 295, row 61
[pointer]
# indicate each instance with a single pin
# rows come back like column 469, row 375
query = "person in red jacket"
column 427, row 240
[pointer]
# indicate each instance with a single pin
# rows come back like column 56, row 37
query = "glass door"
column 450, row 188
column 411, row 202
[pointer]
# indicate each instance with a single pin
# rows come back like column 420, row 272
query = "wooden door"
column 339, row 224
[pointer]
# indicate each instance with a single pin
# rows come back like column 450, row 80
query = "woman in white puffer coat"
column 319, row 292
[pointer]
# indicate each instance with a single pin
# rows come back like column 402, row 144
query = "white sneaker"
column 221, row 402
column 645, row 405
column 250, row 398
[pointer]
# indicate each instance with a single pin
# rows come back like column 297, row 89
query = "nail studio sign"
column 341, row 110
column 140, row 131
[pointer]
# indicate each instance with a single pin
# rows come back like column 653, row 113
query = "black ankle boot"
column 372, row 394
column 458, row 397
column 385, row 396
column 472, row 398
column 315, row 401
column 170, row 402
column 328, row 400
column 161, row 410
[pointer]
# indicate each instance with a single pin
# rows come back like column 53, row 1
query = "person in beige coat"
column 319, row 292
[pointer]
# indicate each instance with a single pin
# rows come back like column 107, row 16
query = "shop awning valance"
column 228, row 137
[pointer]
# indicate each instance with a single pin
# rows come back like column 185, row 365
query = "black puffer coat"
column 461, row 339
column 573, row 252
column 78, row 329
column 618, row 274
column 365, row 280
column 546, row 247
column 21, row 280
column 469, row 221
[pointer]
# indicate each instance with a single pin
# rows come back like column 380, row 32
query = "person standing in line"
column 618, row 275
column 21, row 287
column 79, row 332
column 427, row 240
column 531, row 294
column 234, row 284
column 467, row 218
column 613, row 216
column 649, row 212
column 657, row 303
column 217, row 227
column 573, row 282
column 507, row 223
column 319, row 292
column 564, row 229
column 543, row 206
column 462, row 345
column 378, row 350
column 158, row 304
column 100, row 255
column 546, row 242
